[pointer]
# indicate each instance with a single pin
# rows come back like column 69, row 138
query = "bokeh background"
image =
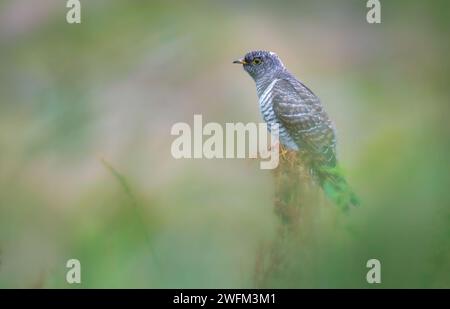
column 85, row 164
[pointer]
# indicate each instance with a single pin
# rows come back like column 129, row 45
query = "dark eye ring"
column 257, row 61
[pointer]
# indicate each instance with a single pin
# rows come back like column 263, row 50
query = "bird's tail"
column 335, row 186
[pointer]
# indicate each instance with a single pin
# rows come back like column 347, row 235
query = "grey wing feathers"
column 301, row 113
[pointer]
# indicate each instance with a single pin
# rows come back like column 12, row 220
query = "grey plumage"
column 303, row 123
column 283, row 99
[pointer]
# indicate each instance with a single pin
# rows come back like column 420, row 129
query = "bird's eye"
column 257, row 61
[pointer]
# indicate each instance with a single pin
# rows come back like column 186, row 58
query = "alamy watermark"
column 73, row 15
column 190, row 144
column 374, row 14
column 73, row 275
column 374, row 274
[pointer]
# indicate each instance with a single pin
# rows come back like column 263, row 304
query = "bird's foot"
column 283, row 152
column 281, row 149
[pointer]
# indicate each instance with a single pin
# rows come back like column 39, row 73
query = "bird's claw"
column 283, row 152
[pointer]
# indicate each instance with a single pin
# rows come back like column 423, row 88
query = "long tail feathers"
column 335, row 186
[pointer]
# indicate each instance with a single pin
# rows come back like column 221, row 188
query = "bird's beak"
column 240, row 61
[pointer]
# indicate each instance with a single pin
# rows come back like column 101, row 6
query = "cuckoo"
column 303, row 124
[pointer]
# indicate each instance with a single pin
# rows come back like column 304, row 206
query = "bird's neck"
column 263, row 82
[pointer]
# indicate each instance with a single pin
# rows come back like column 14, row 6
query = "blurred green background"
column 112, row 87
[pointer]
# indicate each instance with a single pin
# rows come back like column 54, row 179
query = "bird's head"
column 261, row 64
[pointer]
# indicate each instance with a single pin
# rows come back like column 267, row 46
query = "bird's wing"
column 300, row 112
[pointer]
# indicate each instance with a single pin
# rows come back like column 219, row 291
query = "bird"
column 304, row 125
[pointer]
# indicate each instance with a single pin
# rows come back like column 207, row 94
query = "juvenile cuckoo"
column 303, row 123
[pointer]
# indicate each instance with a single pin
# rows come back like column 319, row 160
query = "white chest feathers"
column 268, row 114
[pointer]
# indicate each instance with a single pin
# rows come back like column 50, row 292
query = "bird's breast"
column 269, row 116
